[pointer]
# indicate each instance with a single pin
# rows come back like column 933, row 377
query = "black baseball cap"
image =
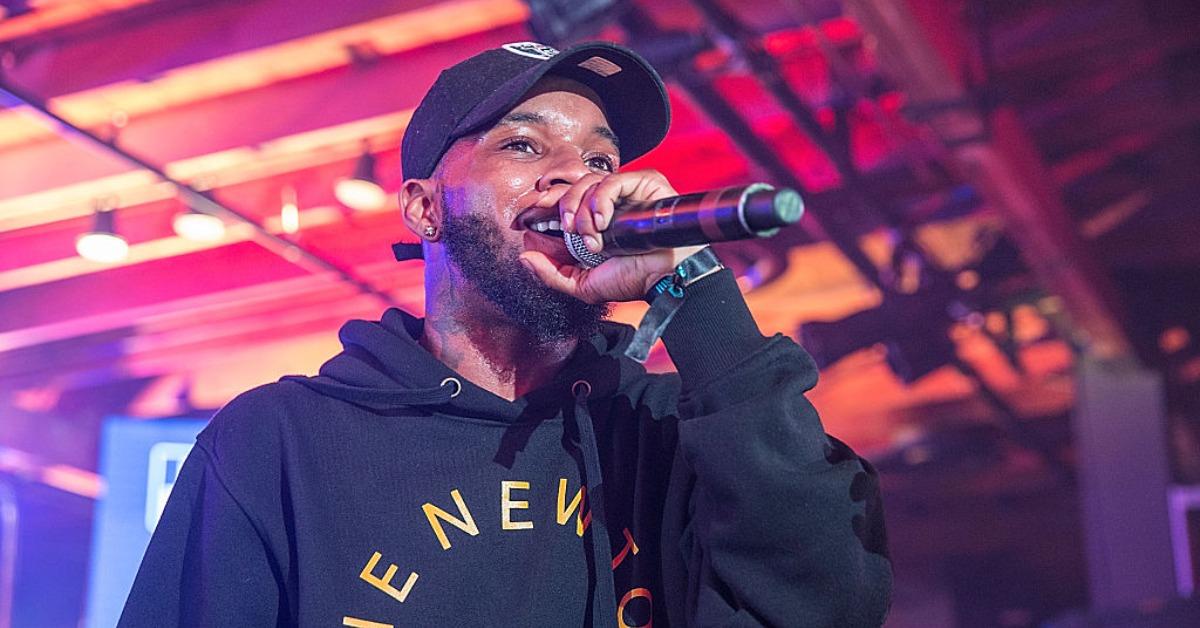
column 474, row 93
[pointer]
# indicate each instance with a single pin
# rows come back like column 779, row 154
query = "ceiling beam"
column 223, row 168
column 133, row 96
column 1000, row 159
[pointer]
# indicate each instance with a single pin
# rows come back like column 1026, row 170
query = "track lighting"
column 362, row 190
column 198, row 226
column 102, row 244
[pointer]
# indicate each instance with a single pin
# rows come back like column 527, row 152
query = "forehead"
column 553, row 100
column 561, row 105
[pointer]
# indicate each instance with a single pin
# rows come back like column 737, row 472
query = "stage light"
column 198, row 226
column 967, row 280
column 102, row 244
column 362, row 190
column 1174, row 340
column 289, row 211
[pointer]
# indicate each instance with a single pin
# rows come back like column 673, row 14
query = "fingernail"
column 600, row 221
column 568, row 222
column 592, row 243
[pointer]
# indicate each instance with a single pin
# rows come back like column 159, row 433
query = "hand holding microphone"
column 642, row 228
column 734, row 213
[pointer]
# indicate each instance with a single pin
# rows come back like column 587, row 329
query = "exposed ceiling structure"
column 992, row 187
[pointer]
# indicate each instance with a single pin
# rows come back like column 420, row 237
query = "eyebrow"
column 519, row 117
column 608, row 134
column 526, row 117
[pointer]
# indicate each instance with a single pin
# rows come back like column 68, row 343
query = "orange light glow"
column 73, row 480
column 1173, row 340
column 49, row 14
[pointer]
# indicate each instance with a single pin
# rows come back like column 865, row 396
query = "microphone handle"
column 734, row 213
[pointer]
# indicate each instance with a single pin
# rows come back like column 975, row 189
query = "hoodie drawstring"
column 604, row 607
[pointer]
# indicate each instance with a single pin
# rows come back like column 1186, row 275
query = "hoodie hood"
column 383, row 368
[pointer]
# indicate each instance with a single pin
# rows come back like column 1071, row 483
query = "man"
column 502, row 463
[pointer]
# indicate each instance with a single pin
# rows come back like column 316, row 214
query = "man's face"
column 500, row 186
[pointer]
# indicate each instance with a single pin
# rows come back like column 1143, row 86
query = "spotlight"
column 362, row 191
column 102, row 244
column 289, row 211
column 1174, row 340
column 198, row 226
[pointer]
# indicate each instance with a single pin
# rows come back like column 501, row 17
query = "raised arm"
column 781, row 525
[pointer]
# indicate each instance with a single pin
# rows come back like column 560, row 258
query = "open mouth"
column 546, row 235
column 548, row 227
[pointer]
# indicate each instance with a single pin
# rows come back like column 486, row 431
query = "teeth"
column 546, row 225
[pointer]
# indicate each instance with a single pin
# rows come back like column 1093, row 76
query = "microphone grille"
column 580, row 252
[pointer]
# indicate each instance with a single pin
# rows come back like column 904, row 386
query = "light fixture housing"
column 198, row 226
column 102, row 244
column 362, row 191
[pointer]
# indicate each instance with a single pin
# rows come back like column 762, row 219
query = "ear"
column 419, row 202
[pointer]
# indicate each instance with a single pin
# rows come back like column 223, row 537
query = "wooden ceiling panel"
column 328, row 99
column 214, row 49
column 237, row 72
column 226, row 268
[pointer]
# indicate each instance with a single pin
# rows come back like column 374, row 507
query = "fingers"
column 592, row 218
column 564, row 278
column 588, row 207
column 568, row 205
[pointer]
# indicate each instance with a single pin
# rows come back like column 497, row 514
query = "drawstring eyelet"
column 587, row 387
column 457, row 385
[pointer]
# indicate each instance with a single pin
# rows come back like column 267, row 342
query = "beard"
column 475, row 247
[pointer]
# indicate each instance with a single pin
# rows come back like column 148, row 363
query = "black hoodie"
column 389, row 491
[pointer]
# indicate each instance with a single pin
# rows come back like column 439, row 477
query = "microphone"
column 735, row 213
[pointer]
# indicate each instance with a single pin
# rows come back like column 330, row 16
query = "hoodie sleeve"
column 780, row 524
column 207, row 563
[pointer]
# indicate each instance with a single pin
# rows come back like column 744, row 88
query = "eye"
column 601, row 162
column 519, row 145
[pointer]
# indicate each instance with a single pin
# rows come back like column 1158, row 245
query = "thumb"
column 550, row 273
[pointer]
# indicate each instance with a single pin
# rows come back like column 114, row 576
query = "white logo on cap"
column 531, row 49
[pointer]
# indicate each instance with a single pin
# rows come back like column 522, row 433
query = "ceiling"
column 1019, row 177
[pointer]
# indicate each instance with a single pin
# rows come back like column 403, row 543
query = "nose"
column 564, row 167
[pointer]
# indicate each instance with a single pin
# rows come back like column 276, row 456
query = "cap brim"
column 634, row 97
